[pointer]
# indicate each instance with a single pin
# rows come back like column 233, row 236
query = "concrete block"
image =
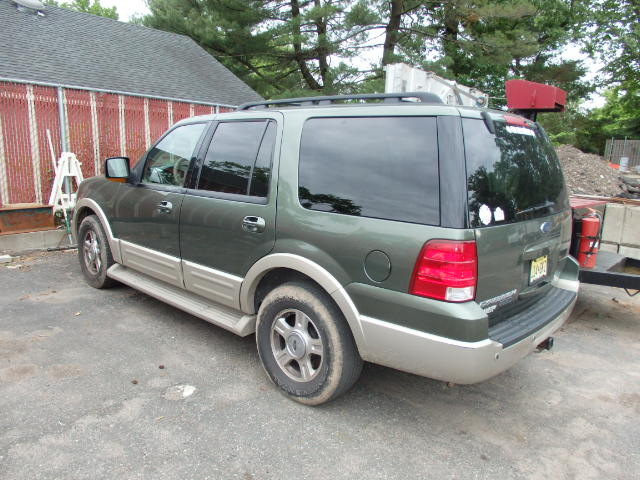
column 631, row 252
column 22, row 242
column 631, row 229
column 613, row 223
column 609, row 247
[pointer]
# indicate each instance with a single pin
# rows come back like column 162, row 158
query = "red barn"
column 99, row 86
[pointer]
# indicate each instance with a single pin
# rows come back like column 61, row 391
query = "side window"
column 259, row 184
column 380, row 167
column 168, row 162
column 238, row 160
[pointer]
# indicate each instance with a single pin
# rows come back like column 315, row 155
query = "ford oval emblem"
column 545, row 227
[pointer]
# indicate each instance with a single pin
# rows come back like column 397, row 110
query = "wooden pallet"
column 625, row 201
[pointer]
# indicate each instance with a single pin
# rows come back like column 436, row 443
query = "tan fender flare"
column 114, row 243
column 312, row 270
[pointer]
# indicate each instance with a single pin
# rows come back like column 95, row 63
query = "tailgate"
column 516, row 262
column 518, row 207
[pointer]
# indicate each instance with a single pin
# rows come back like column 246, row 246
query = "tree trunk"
column 450, row 45
column 322, row 49
column 392, row 31
column 297, row 48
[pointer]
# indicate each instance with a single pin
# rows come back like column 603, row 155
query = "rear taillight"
column 446, row 270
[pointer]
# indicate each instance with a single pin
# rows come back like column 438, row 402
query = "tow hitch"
column 547, row 344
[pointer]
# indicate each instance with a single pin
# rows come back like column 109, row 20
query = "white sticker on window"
column 485, row 214
column 521, row 130
column 498, row 214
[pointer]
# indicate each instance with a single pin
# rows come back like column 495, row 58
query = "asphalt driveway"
column 114, row 384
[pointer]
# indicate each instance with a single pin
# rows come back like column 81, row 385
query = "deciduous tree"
column 87, row 6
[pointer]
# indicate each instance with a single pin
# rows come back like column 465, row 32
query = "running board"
column 225, row 317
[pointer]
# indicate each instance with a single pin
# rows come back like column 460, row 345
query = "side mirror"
column 117, row 169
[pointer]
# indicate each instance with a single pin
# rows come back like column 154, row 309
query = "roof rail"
column 424, row 97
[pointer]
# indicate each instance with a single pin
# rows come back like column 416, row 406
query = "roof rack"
column 423, row 97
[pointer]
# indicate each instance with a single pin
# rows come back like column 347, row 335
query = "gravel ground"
column 586, row 173
column 83, row 396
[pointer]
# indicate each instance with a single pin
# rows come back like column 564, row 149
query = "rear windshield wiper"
column 535, row 208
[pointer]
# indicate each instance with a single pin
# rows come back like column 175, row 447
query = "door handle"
column 253, row 224
column 165, row 207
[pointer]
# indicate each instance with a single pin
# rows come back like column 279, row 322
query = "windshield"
column 513, row 175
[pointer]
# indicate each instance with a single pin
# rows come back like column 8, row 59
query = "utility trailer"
column 614, row 270
column 611, row 269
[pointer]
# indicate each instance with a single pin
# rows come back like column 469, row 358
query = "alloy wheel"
column 296, row 345
column 91, row 248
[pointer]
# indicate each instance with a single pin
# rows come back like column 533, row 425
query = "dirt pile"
column 588, row 174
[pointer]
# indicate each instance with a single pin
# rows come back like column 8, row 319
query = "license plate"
column 538, row 269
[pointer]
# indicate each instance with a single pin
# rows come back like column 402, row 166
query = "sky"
column 128, row 8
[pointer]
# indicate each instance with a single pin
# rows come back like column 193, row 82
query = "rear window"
column 380, row 167
column 513, row 175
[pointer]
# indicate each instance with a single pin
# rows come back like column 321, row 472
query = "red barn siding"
column 108, row 125
column 112, row 126
column 134, row 128
column 158, row 118
column 17, row 144
column 203, row 110
column 180, row 111
column 47, row 118
column 80, row 131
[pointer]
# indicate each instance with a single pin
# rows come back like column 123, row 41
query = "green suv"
column 425, row 237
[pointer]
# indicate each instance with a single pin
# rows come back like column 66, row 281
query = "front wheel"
column 305, row 344
column 94, row 253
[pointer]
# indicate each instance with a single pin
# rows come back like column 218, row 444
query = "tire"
column 94, row 253
column 305, row 344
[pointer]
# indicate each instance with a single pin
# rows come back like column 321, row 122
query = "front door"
column 227, row 222
column 147, row 212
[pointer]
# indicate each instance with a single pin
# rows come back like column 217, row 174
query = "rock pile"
column 631, row 183
column 588, row 174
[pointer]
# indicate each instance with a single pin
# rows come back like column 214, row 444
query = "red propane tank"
column 589, row 241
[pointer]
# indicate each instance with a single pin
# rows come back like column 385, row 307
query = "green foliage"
column 312, row 47
column 615, row 39
column 484, row 43
column 87, row 6
column 280, row 49
column 589, row 131
column 620, row 116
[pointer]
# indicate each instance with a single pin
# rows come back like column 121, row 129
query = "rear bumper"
column 456, row 361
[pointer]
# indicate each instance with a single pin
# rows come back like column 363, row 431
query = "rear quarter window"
column 380, row 167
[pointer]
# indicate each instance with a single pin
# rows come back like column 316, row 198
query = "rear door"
column 228, row 216
column 518, row 207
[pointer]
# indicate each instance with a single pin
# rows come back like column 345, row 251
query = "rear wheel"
column 94, row 253
column 305, row 344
